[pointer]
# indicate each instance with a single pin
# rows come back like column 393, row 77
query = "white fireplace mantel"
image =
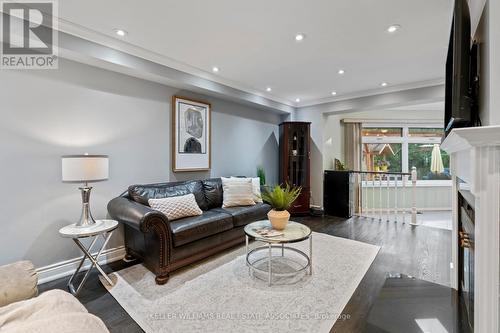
column 469, row 137
column 475, row 159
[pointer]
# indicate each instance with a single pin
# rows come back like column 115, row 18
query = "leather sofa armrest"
column 18, row 282
column 135, row 215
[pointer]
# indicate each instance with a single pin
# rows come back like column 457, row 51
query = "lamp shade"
column 85, row 168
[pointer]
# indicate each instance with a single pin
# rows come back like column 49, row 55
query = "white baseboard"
column 66, row 268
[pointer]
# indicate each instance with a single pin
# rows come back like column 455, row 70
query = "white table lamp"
column 85, row 169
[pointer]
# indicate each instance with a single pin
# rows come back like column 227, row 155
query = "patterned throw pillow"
column 177, row 207
column 237, row 192
column 257, row 196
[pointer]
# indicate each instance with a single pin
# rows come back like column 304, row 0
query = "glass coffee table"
column 293, row 233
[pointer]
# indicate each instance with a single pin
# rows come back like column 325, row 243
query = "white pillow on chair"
column 177, row 207
column 237, row 192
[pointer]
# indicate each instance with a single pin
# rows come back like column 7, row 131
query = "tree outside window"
column 399, row 148
column 420, row 156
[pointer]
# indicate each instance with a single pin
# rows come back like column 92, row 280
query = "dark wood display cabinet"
column 295, row 165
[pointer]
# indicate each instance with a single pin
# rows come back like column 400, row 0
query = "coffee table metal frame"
column 277, row 244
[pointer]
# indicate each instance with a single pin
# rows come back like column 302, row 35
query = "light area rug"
column 219, row 295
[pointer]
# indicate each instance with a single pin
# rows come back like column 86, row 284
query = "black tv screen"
column 457, row 95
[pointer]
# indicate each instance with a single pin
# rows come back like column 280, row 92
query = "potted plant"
column 261, row 173
column 280, row 199
column 385, row 165
column 382, row 165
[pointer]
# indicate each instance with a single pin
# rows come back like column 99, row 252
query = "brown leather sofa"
column 164, row 246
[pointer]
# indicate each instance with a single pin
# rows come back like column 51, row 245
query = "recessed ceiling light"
column 268, row 89
column 334, row 93
column 297, row 100
column 384, row 84
column 300, row 37
column 341, row 71
column 121, row 32
column 215, row 69
column 393, row 28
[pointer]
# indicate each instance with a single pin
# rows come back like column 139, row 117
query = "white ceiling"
column 252, row 42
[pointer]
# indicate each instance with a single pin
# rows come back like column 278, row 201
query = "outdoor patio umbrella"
column 436, row 160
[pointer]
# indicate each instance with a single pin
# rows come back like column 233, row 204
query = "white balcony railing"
column 388, row 196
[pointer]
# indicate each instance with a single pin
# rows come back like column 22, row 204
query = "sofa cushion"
column 190, row 229
column 66, row 322
column 246, row 214
column 142, row 193
column 213, row 192
column 18, row 282
column 52, row 311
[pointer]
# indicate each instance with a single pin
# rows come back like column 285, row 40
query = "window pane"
column 389, row 131
column 382, row 157
column 428, row 166
column 426, row 132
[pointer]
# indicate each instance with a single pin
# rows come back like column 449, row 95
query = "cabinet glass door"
column 297, row 155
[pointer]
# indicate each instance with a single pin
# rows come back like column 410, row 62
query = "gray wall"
column 78, row 109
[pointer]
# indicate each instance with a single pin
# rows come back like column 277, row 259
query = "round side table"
column 102, row 228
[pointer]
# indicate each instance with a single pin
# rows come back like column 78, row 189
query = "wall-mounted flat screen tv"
column 458, row 100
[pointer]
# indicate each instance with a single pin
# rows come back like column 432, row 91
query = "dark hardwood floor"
column 422, row 252
column 410, row 305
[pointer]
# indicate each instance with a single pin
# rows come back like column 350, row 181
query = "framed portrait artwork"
column 190, row 135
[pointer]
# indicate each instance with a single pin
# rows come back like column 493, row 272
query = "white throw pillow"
column 257, row 196
column 237, row 192
column 177, row 207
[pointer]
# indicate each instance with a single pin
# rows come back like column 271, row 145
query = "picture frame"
column 191, row 135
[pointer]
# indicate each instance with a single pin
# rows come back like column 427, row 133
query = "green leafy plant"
column 261, row 173
column 339, row 166
column 281, row 198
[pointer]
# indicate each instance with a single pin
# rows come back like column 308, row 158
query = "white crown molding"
column 88, row 52
column 373, row 92
column 124, row 46
column 252, row 95
column 67, row 267
column 387, row 101
column 416, row 110
column 399, row 122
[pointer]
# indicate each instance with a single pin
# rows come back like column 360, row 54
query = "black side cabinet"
column 338, row 193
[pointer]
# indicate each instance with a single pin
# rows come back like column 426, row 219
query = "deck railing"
column 388, row 196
